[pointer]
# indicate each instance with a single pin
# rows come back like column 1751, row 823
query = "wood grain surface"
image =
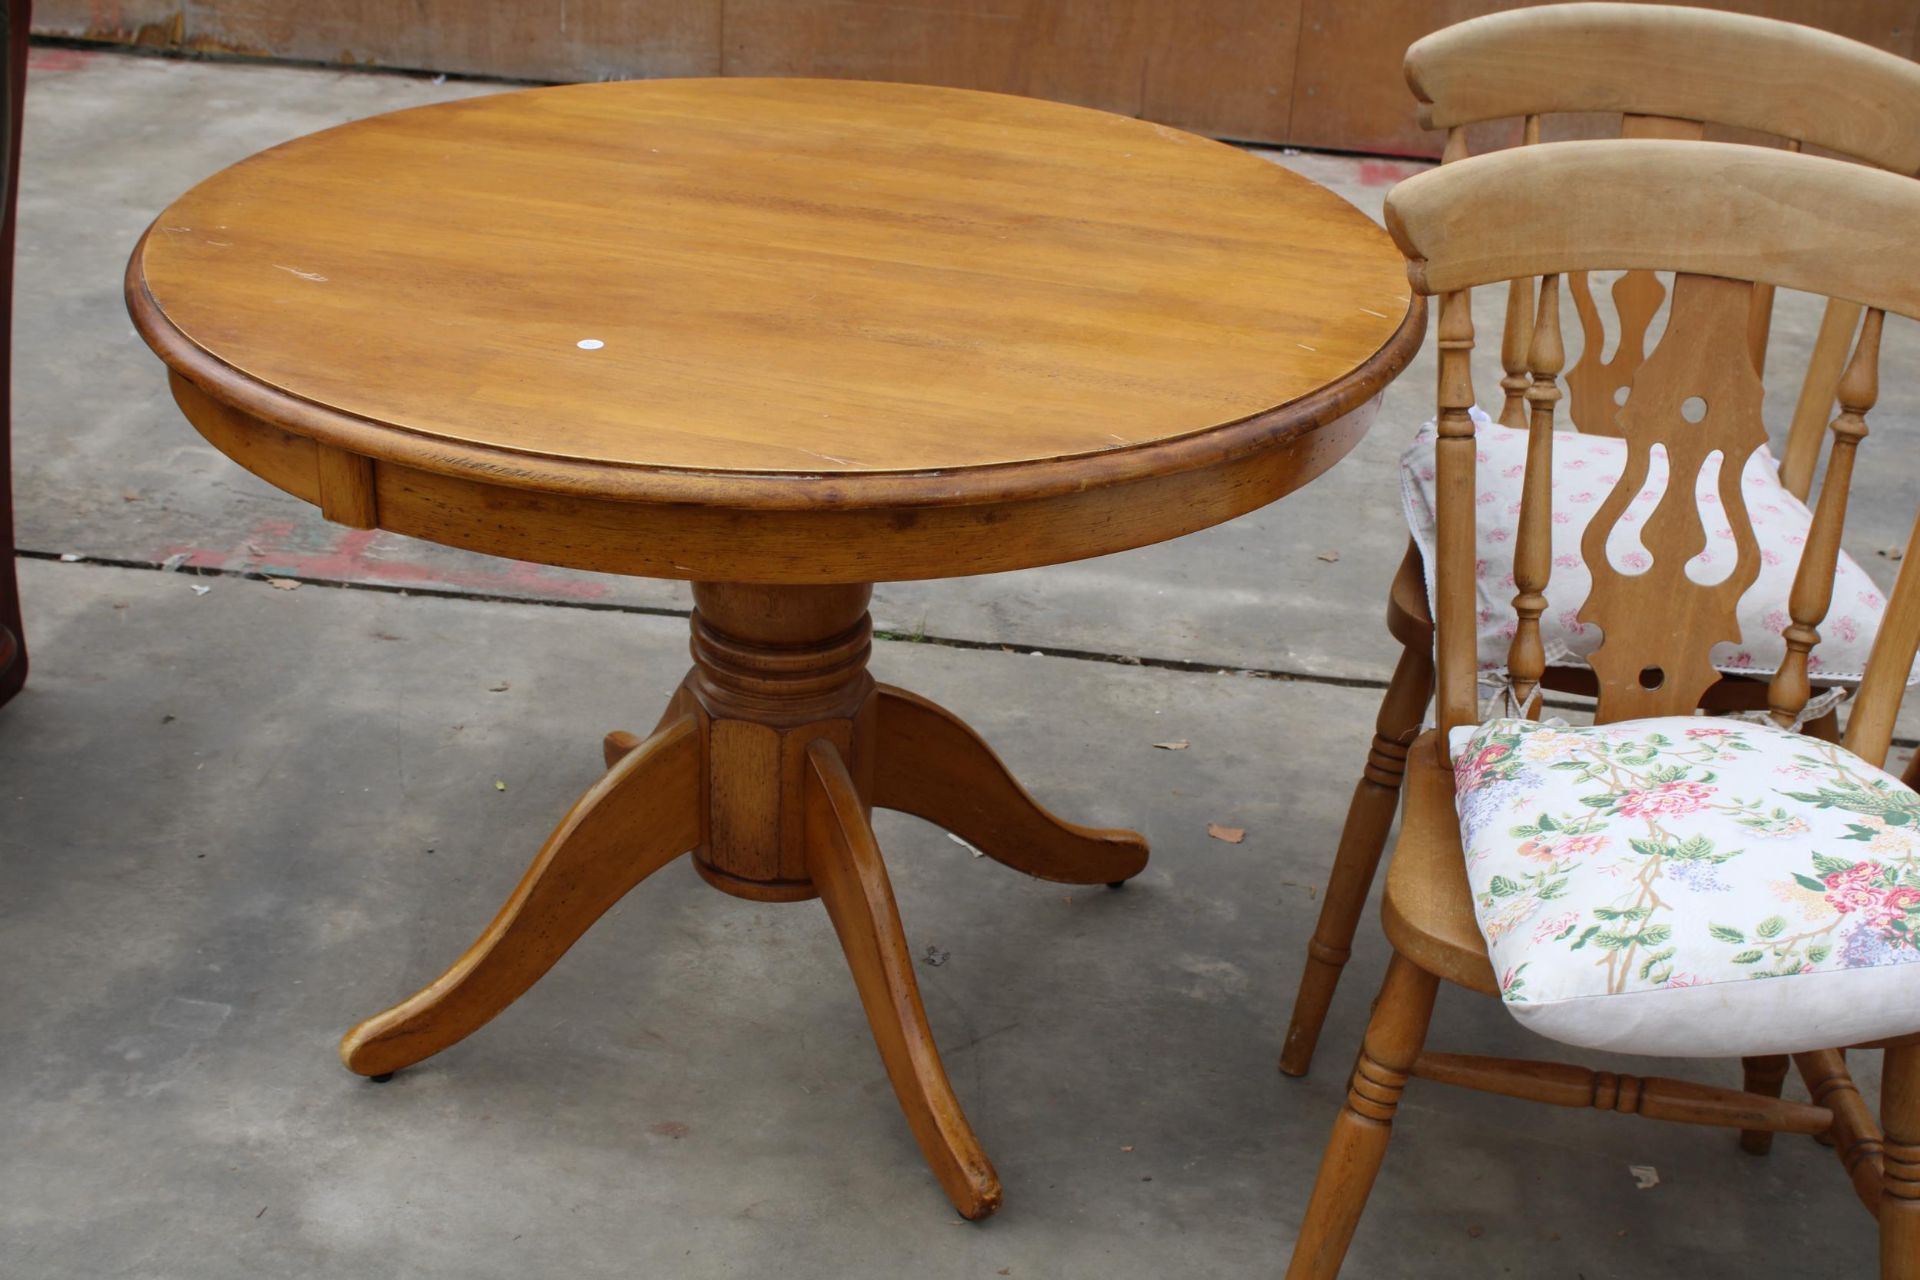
column 774, row 331
column 1743, row 70
column 1748, row 213
column 1319, row 73
column 1349, row 92
column 785, row 277
column 1221, row 66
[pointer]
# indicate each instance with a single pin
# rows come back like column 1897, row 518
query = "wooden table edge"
column 755, row 491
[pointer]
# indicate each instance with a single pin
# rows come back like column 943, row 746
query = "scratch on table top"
column 1370, row 311
column 314, row 276
column 827, row 457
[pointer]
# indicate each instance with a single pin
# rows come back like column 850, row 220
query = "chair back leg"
column 1764, row 1076
column 1900, row 1185
column 1376, row 798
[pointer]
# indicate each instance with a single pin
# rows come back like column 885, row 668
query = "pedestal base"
column 766, row 766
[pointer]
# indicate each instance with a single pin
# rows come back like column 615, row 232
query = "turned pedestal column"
column 775, row 670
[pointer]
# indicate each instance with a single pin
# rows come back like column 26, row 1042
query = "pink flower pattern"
column 1667, row 800
column 1685, row 851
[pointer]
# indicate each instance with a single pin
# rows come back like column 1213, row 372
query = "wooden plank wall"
column 1312, row 73
column 1217, row 66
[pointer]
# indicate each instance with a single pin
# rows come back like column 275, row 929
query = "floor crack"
column 1187, row 665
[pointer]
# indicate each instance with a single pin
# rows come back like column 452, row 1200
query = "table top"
column 782, row 294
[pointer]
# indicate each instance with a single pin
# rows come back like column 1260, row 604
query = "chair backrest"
column 1730, row 219
column 1670, row 71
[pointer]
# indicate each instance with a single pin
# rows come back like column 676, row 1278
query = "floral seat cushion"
column 1585, row 470
column 1687, row 886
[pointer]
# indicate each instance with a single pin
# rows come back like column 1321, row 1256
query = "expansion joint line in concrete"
column 656, row 611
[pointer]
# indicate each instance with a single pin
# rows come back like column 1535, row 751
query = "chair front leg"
column 1395, row 1035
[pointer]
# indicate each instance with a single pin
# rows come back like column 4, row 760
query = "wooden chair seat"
column 1428, row 909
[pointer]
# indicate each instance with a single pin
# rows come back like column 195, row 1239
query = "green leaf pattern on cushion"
column 1682, row 851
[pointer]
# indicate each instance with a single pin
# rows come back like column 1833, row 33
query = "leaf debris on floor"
column 1231, row 835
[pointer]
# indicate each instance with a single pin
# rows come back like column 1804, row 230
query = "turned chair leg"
column 1900, row 1185
column 1395, row 1035
column 1765, row 1076
column 1369, row 818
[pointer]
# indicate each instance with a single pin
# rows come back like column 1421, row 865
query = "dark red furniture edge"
column 13, row 646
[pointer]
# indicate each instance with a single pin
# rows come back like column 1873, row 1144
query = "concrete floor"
column 237, row 821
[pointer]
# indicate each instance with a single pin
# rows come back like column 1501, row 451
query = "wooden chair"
column 13, row 648
column 1670, row 72
column 1733, row 220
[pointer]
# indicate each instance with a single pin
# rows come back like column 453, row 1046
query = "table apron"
column 813, row 546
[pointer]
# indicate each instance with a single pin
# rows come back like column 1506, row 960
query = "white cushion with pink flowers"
column 1691, row 887
column 1585, row 470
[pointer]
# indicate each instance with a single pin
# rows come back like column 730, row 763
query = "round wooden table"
column 783, row 338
